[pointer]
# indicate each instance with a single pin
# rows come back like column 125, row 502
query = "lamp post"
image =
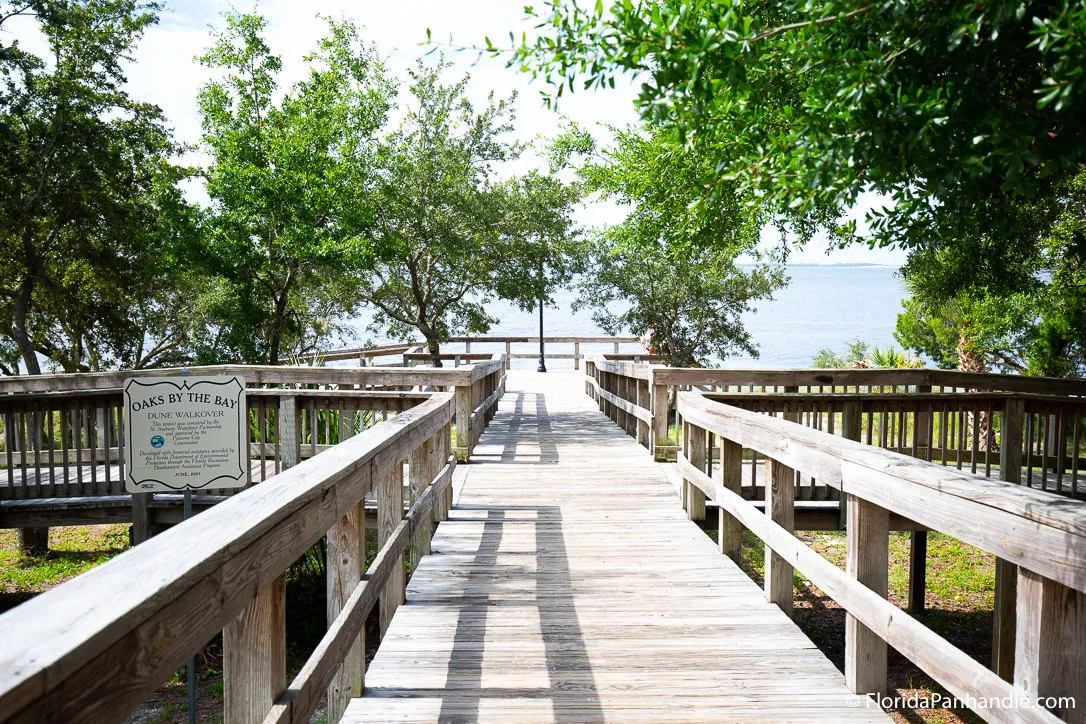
column 542, row 363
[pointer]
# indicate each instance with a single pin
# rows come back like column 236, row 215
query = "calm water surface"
column 824, row 307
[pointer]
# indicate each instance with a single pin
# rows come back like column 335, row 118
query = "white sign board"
column 185, row 433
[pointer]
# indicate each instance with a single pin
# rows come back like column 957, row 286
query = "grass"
column 959, row 601
column 72, row 550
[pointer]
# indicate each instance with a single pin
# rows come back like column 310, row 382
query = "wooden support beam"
column 867, row 560
column 389, row 515
column 730, row 475
column 463, row 422
column 695, row 439
column 345, row 562
column 141, row 517
column 1050, row 656
column 851, row 429
column 1004, row 618
column 420, row 472
column 659, row 421
column 289, row 447
column 780, row 498
column 33, row 541
column 255, row 656
column 918, row 569
column 921, row 426
column 643, row 431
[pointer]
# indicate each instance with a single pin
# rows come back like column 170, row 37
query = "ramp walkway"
column 568, row 585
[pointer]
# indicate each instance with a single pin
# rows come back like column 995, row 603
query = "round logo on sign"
column 157, row 441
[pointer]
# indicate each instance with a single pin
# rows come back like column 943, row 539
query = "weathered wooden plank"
column 780, row 494
column 1050, row 657
column 255, row 656
column 346, row 557
column 867, row 560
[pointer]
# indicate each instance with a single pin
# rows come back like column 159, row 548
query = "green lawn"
column 72, row 550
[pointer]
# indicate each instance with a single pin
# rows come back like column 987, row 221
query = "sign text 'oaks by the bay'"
column 185, row 433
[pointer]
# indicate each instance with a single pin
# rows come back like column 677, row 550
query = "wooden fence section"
column 1043, row 535
column 94, row 648
column 952, row 417
column 477, row 387
column 68, row 444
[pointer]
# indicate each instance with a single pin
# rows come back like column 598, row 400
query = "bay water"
column 824, row 306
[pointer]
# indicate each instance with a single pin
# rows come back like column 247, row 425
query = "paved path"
column 568, row 585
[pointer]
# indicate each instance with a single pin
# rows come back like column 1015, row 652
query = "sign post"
column 186, row 433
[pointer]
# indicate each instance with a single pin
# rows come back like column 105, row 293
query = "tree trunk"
column 19, row 331
column 277, row 327
column 969, row 360
column 435, row 351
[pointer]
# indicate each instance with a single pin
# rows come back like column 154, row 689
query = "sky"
column 164, row 71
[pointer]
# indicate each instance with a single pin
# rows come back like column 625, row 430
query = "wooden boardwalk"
column 568, row 585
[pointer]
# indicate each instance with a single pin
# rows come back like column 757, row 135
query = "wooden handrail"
column 93, row 648
column 1044, row 534
column 256, row 375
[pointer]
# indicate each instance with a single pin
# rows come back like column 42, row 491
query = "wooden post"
column 1004, row 618
column 576, row 355
column 659, row 421
column 463, row 422
column 289, row 450
column 921, row 425
column 1050, row 656
column 345, row 563
column 34, row 541
column 780, row 495
column 867, row 560
column 141, row 517
column 389, row 515
column 918, row 569
column 695, row 498
column 643, row 402
column 446, row 446
column 730, row 475
column 918, row 539
column 851, row 426
column 420, row 472
column 255, row 656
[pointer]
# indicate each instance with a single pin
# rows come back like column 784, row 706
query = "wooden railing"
column 94, row 648
column 963, row 430
column 477, row 387
column 1055, row 407
column 1039, row 539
